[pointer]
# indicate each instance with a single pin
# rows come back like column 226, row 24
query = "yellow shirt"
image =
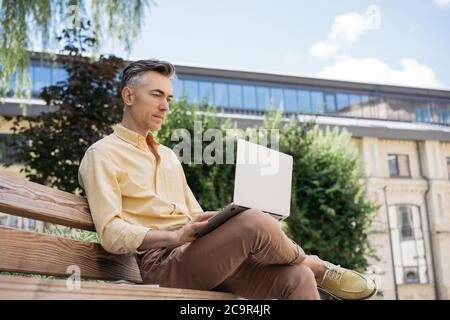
column 130, row 191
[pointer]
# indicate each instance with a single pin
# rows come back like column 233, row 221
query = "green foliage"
column 52, row 144
column 22, row 21
column 71, row 233
column 330, row 213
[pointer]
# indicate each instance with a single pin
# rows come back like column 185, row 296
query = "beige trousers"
column 249, row 255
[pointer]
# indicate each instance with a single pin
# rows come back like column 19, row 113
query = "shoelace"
column 333, row 272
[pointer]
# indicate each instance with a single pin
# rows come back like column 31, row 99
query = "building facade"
column 403, row 135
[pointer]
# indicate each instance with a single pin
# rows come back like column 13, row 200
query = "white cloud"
column 346, row 29
column 323, row 50
column 411, row 73
column 442, row 4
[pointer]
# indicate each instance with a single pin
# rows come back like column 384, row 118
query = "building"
column 403, row 135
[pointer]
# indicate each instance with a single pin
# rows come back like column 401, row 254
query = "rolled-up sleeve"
column 98, row 177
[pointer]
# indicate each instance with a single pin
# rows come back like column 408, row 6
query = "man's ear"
column 127, row 96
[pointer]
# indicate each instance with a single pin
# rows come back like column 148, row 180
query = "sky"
column 402, row 42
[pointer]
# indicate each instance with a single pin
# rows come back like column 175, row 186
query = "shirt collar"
column 134, row 138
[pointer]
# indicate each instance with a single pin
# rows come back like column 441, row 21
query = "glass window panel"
column 355, row 99
column 406, row 228
column 59, row 74
column 276, row 96
column 419, row 115
column 191, row 89
column 221, row 94
column 263, row 97
column 235, row 91
column 343, row 100
column 31, row 224
column 11, row 84
column 249, row 97
column 290, row 100
column 13, row 221
column 177, row 85
column 403, row 165
column 304, row 101
column 317, row 102
column 393, row 168
column 408, row 247
column 442, row 116
column 42, row 78
column 365, row 99
column 206, row 92
column 330, row 104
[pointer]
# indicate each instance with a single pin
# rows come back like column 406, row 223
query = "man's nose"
column 164, row 106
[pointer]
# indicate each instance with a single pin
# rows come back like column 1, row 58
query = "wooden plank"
column 31, row 252
column 12, row 287
column 21, row 197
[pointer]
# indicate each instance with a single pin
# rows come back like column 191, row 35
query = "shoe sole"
column 337, row 298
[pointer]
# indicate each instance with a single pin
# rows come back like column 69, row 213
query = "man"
column 141, row 203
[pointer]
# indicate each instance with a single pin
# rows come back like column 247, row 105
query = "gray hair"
column 133, row 72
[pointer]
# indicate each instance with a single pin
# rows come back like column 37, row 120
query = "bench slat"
column 12, row 287
column 31, row 252
column 32, row 200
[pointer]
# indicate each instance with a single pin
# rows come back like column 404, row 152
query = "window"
column 60, row 74
column 263, row 97
column 249, row 97
column 405, row 221
column 365, row 99
column 277, row 98
column 317, row 102
column 408, row 247
column 41, row 78
column 398, row 165
column 355, row 99
column 235, row 95
column 206, row 92
column 11, row 84
column 330, row 104
column 343, row 100
column 221, row 95
column 448, row 167
column 444, row 117
column 304, row 101
column 191, row 89
column 423, row 115
column 177, row 88
column 290, row 98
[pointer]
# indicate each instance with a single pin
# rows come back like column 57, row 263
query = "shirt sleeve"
column 98, row 177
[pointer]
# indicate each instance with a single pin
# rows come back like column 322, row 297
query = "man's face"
column 148, row 100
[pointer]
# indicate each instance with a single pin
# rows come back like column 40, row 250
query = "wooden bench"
column 30, row 252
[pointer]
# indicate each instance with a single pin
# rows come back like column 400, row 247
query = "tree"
column 19, row 19
column 88, row 103
column 330, row 212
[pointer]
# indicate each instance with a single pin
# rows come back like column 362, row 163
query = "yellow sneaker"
column 345, row 284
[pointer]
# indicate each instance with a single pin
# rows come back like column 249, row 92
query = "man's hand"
column 186, row 233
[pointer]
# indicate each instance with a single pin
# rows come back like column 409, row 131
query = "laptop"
column 263, row 180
